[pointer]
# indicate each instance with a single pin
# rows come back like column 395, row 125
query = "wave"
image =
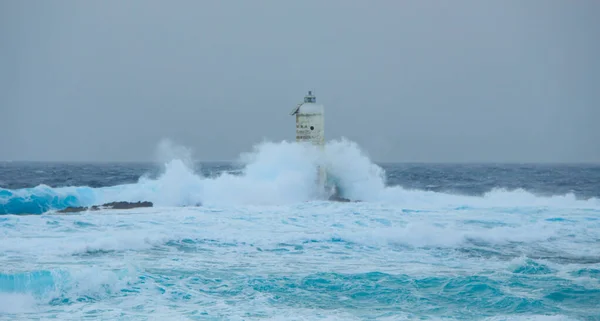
column 22, row 292
column 273, row 173
column 63, row 287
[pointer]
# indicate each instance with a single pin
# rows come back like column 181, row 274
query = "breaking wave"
column 274, row 173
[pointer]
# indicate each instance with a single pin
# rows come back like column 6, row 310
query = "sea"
column 252, row 239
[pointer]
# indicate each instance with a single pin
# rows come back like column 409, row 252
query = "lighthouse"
column 310, row 128
column 310, row 121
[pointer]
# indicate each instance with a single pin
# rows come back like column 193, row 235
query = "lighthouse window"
column 312, row 127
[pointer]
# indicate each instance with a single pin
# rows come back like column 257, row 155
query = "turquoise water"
column 258, row 248
column 337, row 261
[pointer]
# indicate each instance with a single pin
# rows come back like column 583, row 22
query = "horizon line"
column 374, row 161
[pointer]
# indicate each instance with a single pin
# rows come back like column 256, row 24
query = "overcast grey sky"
column 428, row 81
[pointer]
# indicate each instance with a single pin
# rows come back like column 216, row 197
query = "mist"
column 408, row 81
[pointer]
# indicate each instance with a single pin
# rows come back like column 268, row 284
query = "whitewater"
column 255, row 242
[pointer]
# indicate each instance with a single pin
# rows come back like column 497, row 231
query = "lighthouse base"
column 328, row 188
column 334, row 195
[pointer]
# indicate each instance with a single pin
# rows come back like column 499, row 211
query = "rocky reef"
column 130, row 205
column 111, row 205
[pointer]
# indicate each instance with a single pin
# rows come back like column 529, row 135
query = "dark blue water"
column 468, row 179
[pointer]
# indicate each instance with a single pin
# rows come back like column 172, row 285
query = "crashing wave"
column 272, row 174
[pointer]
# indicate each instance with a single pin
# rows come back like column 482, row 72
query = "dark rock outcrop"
column 111, row 205
column 337, row 198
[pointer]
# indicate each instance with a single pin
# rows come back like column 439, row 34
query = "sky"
column 408, row 81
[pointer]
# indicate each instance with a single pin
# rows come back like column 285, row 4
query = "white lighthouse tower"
column 310, row 128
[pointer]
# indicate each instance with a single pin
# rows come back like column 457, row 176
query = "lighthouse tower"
column 310, row 127
column 310, row 121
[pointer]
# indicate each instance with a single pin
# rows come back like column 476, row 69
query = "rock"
column 72, row 210
column 111, row 205
column 126, row 205
column 337, row 198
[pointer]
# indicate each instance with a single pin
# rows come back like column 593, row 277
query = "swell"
column 43, row 198
column 466, row 296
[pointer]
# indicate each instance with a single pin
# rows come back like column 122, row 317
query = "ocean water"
column 251, row 240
